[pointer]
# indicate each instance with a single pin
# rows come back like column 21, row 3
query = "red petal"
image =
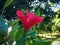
column 29, row 15
column 20, row 13
column 32, row 22
column 21, row 16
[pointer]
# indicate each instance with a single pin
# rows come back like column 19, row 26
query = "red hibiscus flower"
column 29, row 19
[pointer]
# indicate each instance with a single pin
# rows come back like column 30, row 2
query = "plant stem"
column 2, row 12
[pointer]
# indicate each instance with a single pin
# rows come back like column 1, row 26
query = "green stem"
column 2, row 12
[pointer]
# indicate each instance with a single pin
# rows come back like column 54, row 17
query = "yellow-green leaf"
column 38, row 12
column 7, row 3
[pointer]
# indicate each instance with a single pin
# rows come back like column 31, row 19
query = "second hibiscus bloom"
column 29, row 19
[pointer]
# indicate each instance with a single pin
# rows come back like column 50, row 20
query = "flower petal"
column 29, row 15
column 29, row 20
column 32, row 22
column 21, row 16
column 20, row 13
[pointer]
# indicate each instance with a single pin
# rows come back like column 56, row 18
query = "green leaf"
column 31, row 33
column 19, row 33
column 14, row 31
column 20, row 40
column 38, row 12
column 20, row 37
column 12, row 23
column 7, row 3
column 41, row 43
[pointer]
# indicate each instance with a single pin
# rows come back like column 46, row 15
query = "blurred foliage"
column 7, row 3
column 41, row 34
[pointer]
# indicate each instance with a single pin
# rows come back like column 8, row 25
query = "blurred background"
column 45, row 32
